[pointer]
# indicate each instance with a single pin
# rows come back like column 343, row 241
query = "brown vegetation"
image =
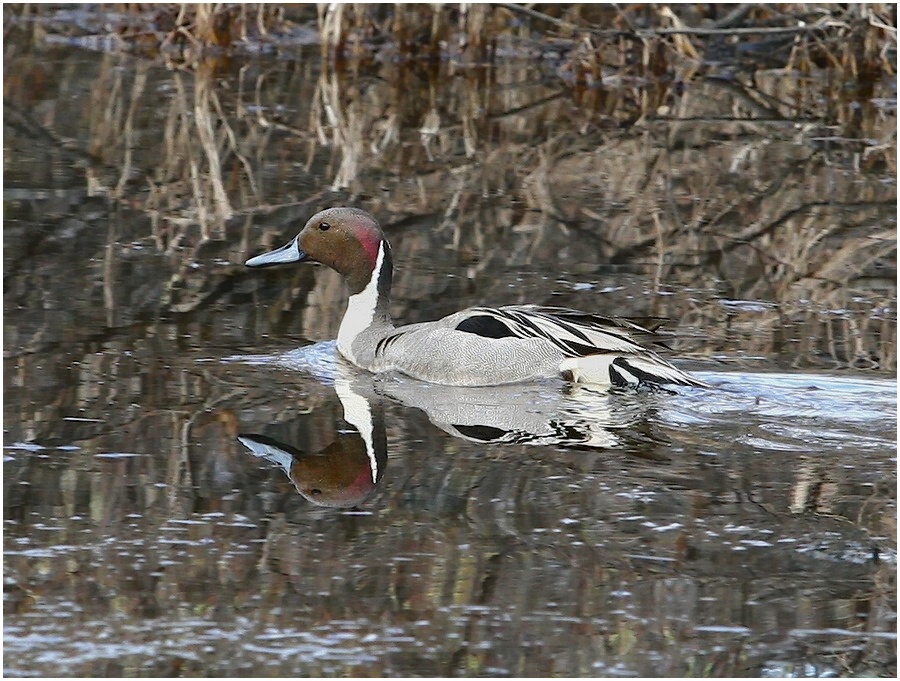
column 748, row 151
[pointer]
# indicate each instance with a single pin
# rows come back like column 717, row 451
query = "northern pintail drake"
column 475, row 347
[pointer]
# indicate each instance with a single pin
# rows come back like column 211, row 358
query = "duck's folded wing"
column 574, row 333
column 639, row 325
column 491, row 346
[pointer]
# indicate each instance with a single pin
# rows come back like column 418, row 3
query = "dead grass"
column 750, row 164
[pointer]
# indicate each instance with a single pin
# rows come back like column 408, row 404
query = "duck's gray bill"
column 288, row 253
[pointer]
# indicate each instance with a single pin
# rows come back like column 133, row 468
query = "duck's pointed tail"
column 625, row 370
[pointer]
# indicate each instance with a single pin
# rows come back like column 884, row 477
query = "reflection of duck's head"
column 341, row 475
column 344, row 473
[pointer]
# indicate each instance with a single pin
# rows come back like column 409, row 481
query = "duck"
column 478, row 346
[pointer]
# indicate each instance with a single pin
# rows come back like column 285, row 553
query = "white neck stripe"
column 357, row 413
column 360, row 310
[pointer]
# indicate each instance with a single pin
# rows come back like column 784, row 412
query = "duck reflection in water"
column 526, row 414
column 346, row 472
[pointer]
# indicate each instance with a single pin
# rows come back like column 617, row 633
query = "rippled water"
column 747, row 527
column 195, row 485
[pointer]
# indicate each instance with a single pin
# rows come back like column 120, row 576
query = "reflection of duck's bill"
column 270, row 450
column 341, row 475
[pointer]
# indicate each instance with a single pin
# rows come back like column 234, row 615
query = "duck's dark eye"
column 324, row 226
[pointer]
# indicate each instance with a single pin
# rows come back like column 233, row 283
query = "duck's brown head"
column 347, row 240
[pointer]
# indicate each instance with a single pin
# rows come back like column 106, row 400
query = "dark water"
column 195, row 485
